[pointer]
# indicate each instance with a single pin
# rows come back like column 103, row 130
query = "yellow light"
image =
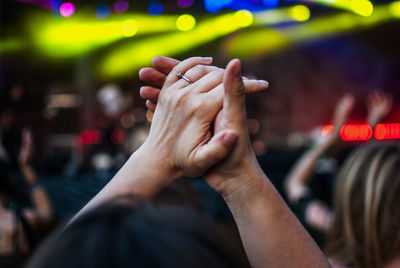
column 185, row 22
column 244, row 18
column 129, row 28
column 395, row 9
column 300, row 13
column 362, row 7
column 128, row 57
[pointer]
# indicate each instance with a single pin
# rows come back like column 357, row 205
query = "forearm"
column 141, row 175
column 301, row 173
column 38, row 194
column 271, row 235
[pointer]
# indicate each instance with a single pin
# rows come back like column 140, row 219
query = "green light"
column 62, row 38
column 268, row 41
column 394, row 8
column 300, row 13
column 360, row 7
column 363, row 8
column 129, row 57
column 11, row 45
column 129, row 28
column 185, row 22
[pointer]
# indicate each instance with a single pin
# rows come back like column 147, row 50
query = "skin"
column 38, row 216
column 318, row 214
column 181, row 143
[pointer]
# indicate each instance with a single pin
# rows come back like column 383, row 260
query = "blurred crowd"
column 346, row 197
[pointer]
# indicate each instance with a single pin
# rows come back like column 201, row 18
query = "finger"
column 150, row 93
column 216, row 149
column 199, row 71
column 234, row 97
column 152, row 76
column 209, row 81
column 151, row 106
column 183, row 67
column 164, row 64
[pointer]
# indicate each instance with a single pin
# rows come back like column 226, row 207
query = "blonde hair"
column 365, row 231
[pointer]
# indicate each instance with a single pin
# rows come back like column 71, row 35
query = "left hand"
column 180, row 135
column 162, row 66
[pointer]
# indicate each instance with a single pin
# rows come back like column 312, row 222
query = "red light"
column 117, row 136
column 327, row 129
column 356, row 132
column 90, row 137
column 387, row 131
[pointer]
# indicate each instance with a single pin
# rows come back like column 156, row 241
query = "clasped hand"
column 197, row 126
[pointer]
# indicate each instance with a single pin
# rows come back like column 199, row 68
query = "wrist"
column 151, row 163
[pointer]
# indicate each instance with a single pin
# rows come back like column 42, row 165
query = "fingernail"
column 208, row 59
column 229, row 138
column 237, row 70
column 263, row 83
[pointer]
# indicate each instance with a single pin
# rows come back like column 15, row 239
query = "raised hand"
column 340, row 117
column 379, row 105
column 181, row 128
column 162, row 66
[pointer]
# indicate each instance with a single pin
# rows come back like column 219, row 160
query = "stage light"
column 270, row 3
column 360, row 7
column 185, row 3
column 356, row 132
column 155, row 9
column 89, row 137
column 117, row 136
column 131, row 56
column 215, row 6
column 394, row 8
column 185, row 22
column 387, row 131
column 62, row 38
column 129, row 28
column 244, row 18
column 102, row 12
column 300, row 13
column 327, row 129
column 363, row 8
column 270, row 40
column 121, row 6
column 11, row 44
column 67, row 9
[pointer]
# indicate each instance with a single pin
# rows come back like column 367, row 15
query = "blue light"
column 214, row 6
column 155, row 9
column 102, row 12
column 270, row 3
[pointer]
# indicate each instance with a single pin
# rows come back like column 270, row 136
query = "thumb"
column 234, row 98
column 216, row 149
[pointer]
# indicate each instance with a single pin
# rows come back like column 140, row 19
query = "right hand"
column 340, row 117
column 237, row 169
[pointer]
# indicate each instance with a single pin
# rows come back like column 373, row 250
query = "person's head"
column 365, row 230
column 132, row 233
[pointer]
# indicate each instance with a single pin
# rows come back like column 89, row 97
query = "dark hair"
column 132, row 232
column 7, row 188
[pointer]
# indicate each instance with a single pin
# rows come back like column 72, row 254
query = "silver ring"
column 181, row 75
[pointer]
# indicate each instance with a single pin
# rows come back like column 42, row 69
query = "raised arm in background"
column 296, row 183
column 41, row 213
column 271, row 235
column 379, row 105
